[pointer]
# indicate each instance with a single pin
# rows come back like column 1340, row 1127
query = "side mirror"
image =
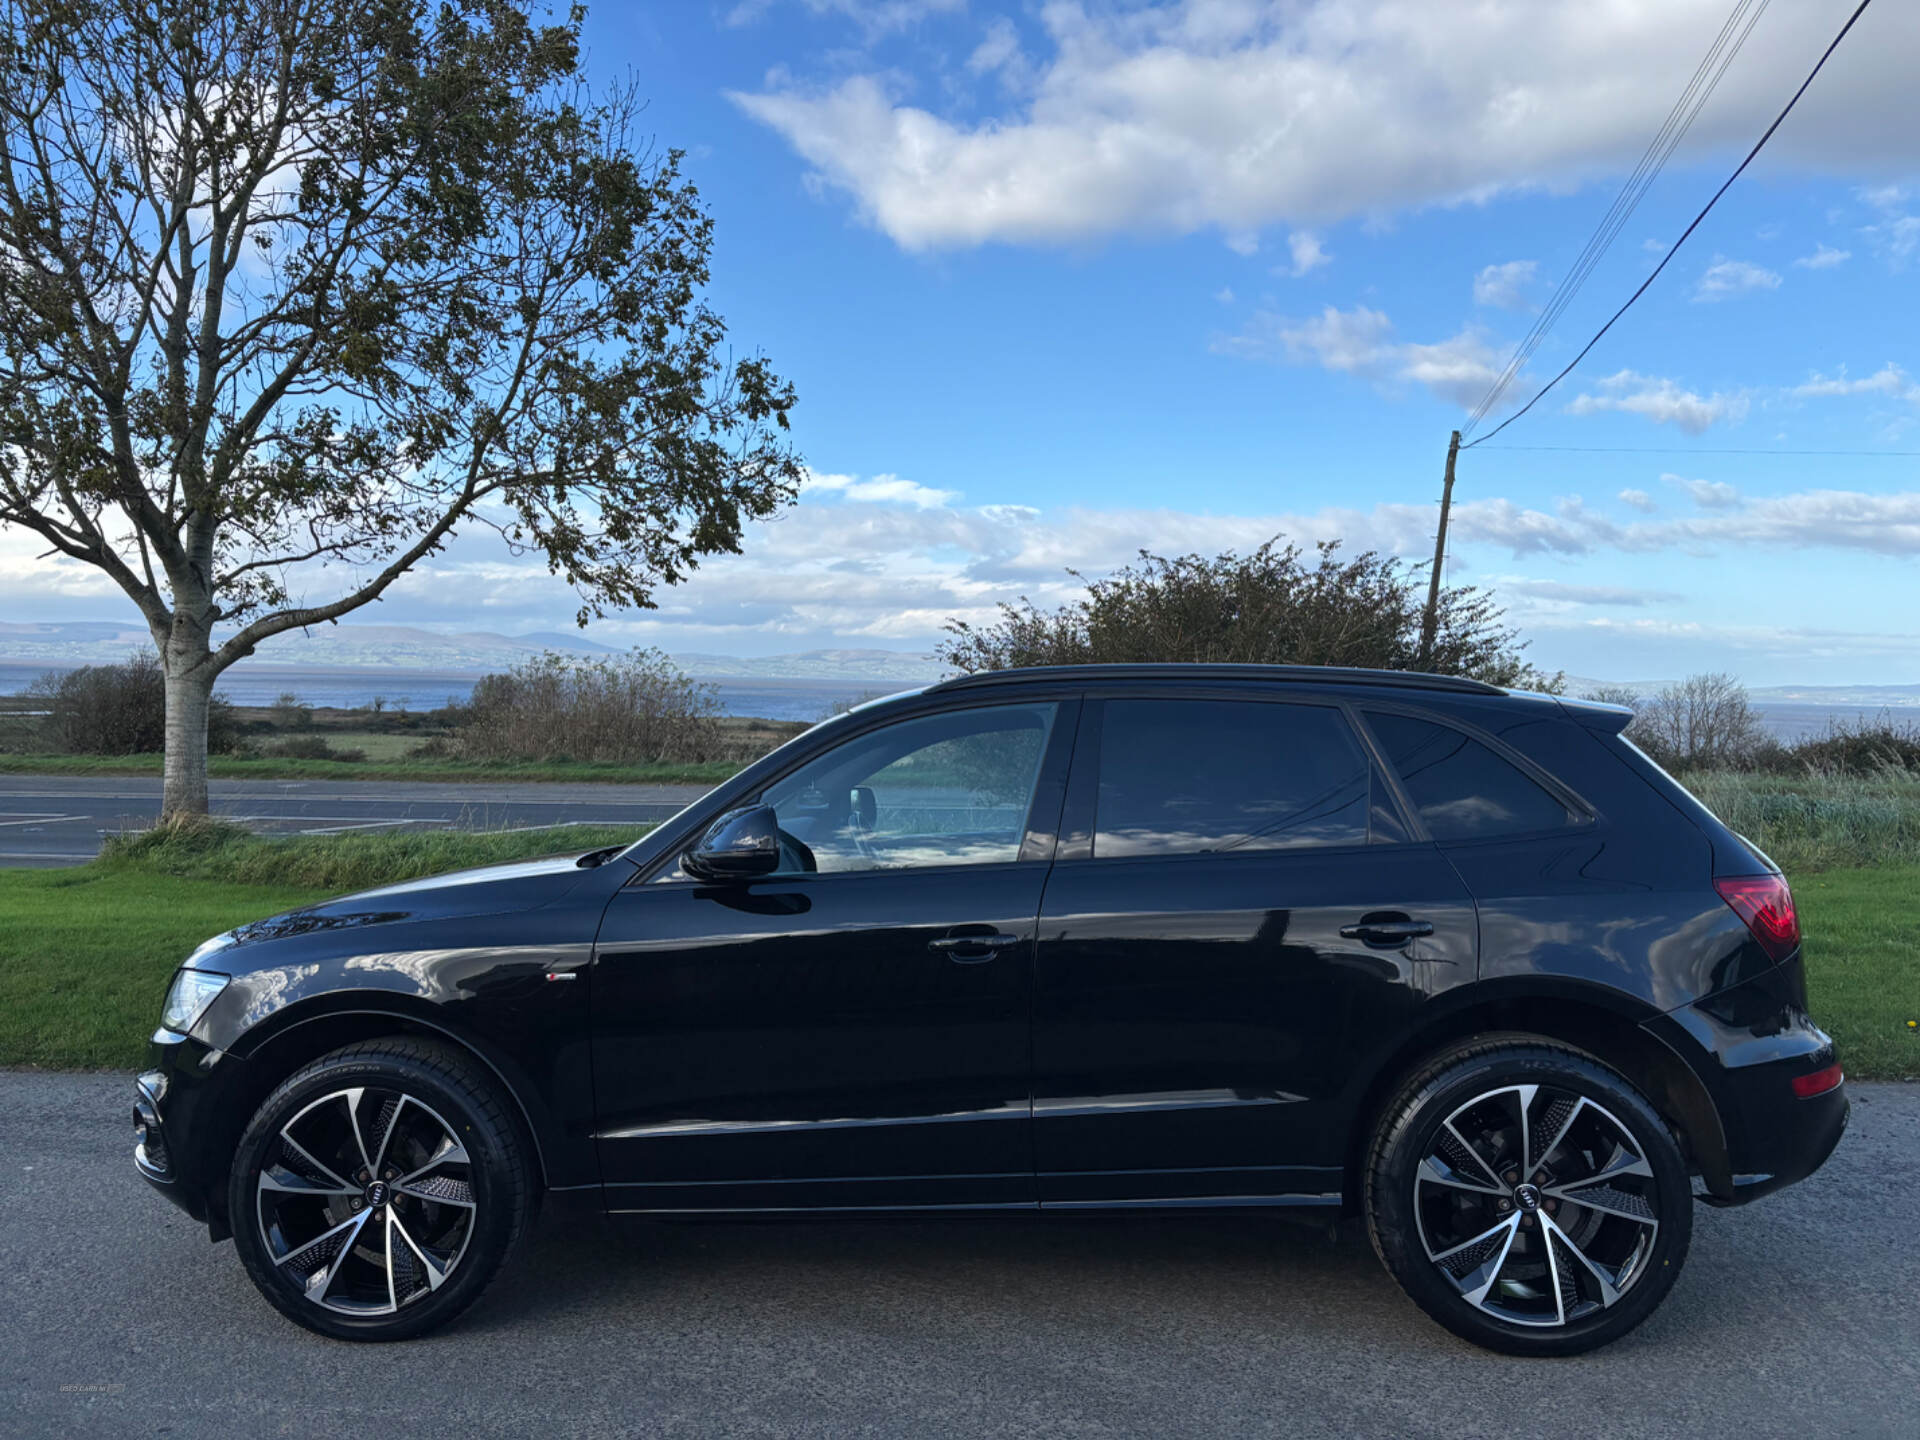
column 740, row 845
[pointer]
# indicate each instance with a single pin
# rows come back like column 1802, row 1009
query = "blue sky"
column 1058, row 281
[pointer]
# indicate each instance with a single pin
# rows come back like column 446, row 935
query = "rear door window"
column 1462, row 789
column 1200, row 777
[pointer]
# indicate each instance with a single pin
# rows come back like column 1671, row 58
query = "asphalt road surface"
column 61, row 819
column 1799, row 1315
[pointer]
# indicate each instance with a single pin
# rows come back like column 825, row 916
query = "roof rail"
column 1297, row 674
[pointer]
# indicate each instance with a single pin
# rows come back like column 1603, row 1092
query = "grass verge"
column 1819, row 822
column 231, row 767
column 1863, row 966
column 85, row 953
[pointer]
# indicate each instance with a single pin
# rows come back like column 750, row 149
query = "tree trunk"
column 183, row 794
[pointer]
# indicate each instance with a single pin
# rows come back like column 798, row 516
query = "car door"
column 1236, row 911
column 852, row 1031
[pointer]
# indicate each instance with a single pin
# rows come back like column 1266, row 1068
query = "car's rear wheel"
column 1528, row 1197
column 379, row 1190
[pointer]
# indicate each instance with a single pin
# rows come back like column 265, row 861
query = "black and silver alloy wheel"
column 1528, row 1197
column 1537, row 1203
column 368, row 1206
column 379, row 1190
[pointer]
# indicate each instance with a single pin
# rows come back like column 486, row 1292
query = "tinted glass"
column 1183, row 777
column 1462, row 789
column 948, row 789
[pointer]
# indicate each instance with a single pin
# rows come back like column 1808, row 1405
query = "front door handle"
column 1388, row 931
column 966, row 948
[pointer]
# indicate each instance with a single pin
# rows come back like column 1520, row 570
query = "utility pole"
column 1431, row 623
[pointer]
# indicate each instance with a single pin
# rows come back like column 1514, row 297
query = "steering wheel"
column 795, row 855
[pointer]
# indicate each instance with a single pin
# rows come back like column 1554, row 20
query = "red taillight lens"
column 1818, row 1083
column 1765, row 903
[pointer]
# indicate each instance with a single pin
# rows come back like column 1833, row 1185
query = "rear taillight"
column 1818, row 1083
column 1765, row 903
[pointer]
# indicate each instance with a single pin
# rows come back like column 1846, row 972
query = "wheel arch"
column 1592, row 1018
column 303, row 1035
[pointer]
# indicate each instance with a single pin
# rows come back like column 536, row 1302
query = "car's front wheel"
column 379, row 1190
column 1528, row 1197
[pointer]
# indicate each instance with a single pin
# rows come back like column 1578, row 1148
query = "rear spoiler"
column 1597, row 715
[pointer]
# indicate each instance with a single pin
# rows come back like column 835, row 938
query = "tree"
column 294, row 291
column 1273, row 606
column 1702, row 723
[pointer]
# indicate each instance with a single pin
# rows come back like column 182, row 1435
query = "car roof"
column 1268, row 674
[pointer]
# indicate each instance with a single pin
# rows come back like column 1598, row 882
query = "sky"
column 1061, row 281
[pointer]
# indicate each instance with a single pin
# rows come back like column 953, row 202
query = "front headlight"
column 188, row 998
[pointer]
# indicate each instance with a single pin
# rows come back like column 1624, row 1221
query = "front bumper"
column 1747, row 1045
column 181, row 1116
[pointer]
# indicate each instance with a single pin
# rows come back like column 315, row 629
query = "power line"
column 1686, row 109
column 1758, row 145
column 1693, row 450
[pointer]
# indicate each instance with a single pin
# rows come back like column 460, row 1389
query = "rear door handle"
column 971, row 949
column 1389, row 931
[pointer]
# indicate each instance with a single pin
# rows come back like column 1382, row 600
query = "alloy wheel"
column 1537, row 1204
column 366, row 1201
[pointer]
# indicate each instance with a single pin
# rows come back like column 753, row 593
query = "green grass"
column 1863, row 966
column 1820, row 822
column 230, row 767
column 85, row 953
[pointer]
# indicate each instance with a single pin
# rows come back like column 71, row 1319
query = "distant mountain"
column 880, row 667
column 62, row 644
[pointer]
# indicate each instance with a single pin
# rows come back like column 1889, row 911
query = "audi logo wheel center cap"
column 1527, row 1197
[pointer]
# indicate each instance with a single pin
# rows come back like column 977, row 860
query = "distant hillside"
column 63, row 644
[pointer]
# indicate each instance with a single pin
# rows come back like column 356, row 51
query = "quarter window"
column 949, row 789
column 1187, row 777
column 1462, row 789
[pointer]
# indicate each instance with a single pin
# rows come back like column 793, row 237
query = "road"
column 61, row 819
column 1799, row 1316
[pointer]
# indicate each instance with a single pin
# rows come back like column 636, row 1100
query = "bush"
column 633, row 709
column 1706, row 723
column 307, row 747
column 1275, row 606
column 118, row 710
column 1855, row 747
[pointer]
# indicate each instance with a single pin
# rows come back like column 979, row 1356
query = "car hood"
column 485, row 890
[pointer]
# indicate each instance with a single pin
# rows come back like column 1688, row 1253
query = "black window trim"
column 1079, row 816
column 1580, row 813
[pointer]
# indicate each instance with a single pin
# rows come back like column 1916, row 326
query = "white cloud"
column 1000, row 49
column 1662, row 401
column 876, row 17
column 1505, row 286
column 1824, row 257
column 1238, row 114
column 1224, row 295
column 1640, row 500
column 1725, row 278
column 1560, row 594
column 880, row 489
column 1361, row 342
column 1896, row 234
column 1304, row 247
column 1888, row 380
column 1707, row 494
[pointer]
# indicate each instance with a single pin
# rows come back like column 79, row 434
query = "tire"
column 1540, row 1272
column 350, row 1260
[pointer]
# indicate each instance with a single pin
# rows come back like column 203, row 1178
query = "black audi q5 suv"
column 1458, row 960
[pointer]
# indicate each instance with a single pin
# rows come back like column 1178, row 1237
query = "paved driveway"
column 60, row 819
column 1797, row 1316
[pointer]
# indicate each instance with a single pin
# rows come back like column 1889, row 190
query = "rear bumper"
column 1747, row 1045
